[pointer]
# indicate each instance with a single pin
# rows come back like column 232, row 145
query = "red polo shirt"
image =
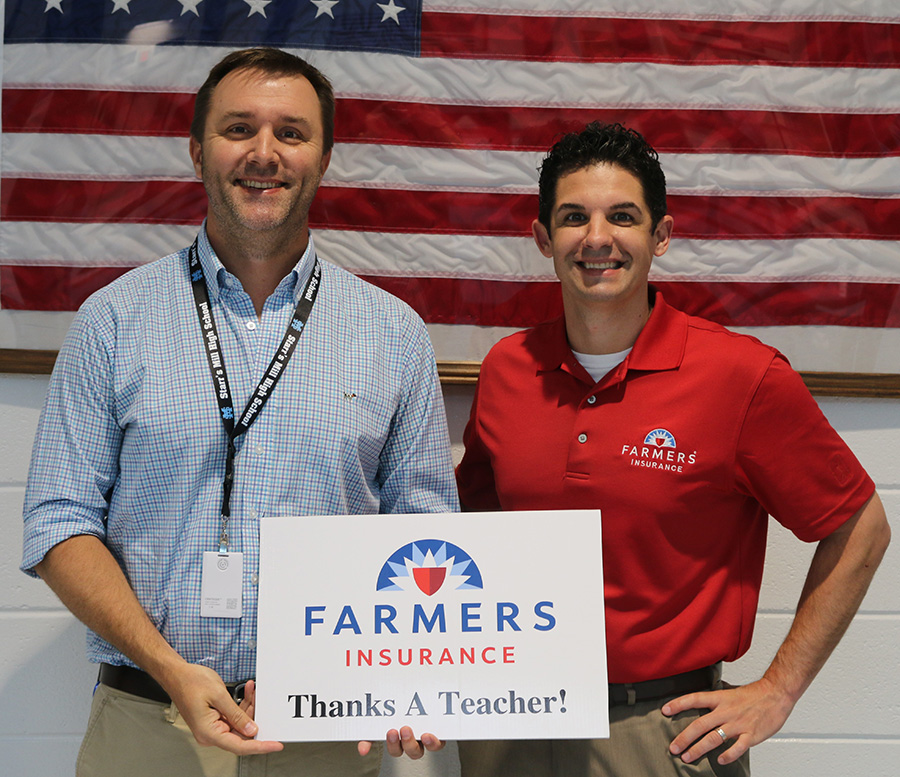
column 685, row 448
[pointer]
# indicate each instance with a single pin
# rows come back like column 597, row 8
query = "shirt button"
column 254, row 515
column 251, row 325
column 251, row 643
column 591, row 400
column 258, row 449
column 254, row 579
column 582, row 437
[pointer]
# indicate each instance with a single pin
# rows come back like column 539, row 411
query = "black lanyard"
column 213, row 349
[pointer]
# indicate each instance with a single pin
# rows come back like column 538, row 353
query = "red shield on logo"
column 429, row 579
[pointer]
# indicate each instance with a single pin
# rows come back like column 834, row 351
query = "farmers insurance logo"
column 420, row 570
column 659, row 451
column 428, row 566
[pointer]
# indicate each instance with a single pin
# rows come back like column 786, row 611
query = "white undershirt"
column 598, row 364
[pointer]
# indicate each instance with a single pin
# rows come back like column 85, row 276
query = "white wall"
column 848, row 722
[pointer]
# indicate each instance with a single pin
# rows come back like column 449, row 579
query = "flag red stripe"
column 97, row 112
column 464, row 126
column 528, row 128
column 670, row 41
column 520, row 303
column 445, row 212
column 78, row 201
column 51, row 288
column 788, row 304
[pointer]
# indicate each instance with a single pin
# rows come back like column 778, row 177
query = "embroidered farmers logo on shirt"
column 659, row 450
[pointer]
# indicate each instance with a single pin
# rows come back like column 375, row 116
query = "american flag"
column 778, row 124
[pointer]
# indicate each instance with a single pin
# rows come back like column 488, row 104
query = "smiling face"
column 601, row 238
column 261, row 157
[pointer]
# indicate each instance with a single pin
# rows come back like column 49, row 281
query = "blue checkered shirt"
column 131, row 449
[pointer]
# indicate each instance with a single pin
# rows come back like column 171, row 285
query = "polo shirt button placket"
column 591, row 399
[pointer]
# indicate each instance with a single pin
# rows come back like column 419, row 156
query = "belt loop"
column 631, row 695
column 171, row 713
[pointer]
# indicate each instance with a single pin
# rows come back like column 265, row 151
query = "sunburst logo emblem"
column 428, row 566
column 660, row 438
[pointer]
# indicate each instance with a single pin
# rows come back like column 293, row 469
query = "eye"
column 574, row 217
column 291, row 135
column 237, row 130
column 622, row 217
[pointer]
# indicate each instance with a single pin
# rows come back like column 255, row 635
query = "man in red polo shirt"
column 687, row 437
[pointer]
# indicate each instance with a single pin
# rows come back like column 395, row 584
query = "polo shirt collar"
column 659, row 346
column 661, row 343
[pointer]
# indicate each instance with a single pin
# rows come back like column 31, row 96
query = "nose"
column 264, row 149
column 598, row 234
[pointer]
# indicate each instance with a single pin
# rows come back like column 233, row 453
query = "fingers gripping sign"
column 398, row 743
column 404, row 742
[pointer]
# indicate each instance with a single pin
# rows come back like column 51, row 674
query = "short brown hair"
column 273, row 62
column 596, row 144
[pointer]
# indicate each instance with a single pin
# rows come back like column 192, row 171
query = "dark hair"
column 600, row 143
column 273, row 62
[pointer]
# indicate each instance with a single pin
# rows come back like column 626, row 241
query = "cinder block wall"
column 848, row 722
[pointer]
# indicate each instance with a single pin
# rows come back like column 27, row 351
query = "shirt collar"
column 661, row 343
column 659, row 346
column 218, row 278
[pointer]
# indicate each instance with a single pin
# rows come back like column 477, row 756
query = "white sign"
column 464, row 625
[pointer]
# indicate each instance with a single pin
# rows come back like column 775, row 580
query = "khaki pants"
column 132, row 737
column 638, row 746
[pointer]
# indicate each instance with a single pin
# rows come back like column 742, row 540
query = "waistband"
column 677, row 685
column 139, row 683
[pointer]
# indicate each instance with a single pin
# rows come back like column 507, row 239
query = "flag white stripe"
column 116, row 157
column 89, row 245
column 41, row 329
column 478, row 82
column 95, row 157
column 466, row 256
column 513, row 258
column 811, row 348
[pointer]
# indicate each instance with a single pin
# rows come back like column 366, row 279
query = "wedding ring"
column 721, row 733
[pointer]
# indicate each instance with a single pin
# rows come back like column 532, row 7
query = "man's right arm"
column 74, row 469
column 88, row 580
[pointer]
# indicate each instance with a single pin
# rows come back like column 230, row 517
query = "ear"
column 197, row 157
column 326, row 160
column 663, row 234
column 542, row 238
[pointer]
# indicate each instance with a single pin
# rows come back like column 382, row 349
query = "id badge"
column 221, row 585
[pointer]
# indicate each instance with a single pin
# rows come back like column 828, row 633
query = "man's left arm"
column 416, row 471
column 838, row 577
column 415, row 465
